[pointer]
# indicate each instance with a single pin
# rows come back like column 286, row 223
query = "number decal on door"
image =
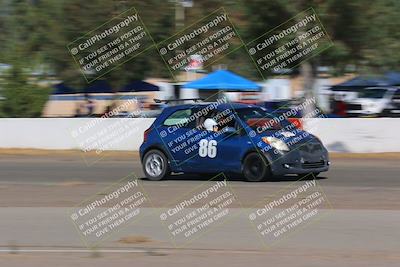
column 207, row 148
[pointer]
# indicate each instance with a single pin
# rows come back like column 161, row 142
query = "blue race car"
column 229, row 137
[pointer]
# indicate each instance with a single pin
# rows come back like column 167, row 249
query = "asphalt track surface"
column 360, row 227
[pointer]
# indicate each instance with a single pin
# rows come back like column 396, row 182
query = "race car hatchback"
column 231, row 138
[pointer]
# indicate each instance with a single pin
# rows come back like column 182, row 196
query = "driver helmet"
column 209, row 124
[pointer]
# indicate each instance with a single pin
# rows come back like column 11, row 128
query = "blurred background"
column 358, row 76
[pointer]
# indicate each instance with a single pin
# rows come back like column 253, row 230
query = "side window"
column 225, row 118
column 180, row 118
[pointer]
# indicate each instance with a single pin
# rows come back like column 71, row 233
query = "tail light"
column 146, row 134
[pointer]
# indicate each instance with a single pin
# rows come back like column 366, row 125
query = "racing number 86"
column 207, row 148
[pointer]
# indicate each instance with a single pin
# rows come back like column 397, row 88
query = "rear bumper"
column 298, row 162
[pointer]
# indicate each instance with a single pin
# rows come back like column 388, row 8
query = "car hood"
column 366, row 100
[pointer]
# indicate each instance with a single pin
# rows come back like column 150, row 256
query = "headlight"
column 276, row 143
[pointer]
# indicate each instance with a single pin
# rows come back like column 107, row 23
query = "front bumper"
column 356, row 113
column 299, row 161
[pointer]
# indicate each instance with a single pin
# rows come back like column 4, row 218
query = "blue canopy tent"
column 63, row 89
column 360, row 82
column 139, row 86
column 63, row 92
column 100, row 90
column 98, row 87
column 103, row 87
column 223, row 80
column 212, row 86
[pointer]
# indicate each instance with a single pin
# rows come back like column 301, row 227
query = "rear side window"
column 180, row 118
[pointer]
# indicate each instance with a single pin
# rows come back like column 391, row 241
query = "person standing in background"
column 90, row 107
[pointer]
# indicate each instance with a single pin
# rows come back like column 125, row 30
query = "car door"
column 220, row 151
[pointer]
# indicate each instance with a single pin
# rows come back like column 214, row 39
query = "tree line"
column 34, row 35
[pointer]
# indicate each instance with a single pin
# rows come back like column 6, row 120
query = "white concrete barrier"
column 338, row 135
column 357, row 135
column 73, row 133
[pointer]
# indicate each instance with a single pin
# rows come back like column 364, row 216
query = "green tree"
column 22, row 98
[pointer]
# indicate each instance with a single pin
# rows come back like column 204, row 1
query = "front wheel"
column 155, row 165
column 255, row 168
column 385, row 113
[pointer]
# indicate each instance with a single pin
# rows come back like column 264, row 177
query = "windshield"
column 373, row 93
column 260, row 120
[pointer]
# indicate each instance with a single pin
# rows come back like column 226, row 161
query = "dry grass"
column 72, row 183
column 134, row 239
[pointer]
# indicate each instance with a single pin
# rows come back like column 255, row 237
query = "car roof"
column 222, row 106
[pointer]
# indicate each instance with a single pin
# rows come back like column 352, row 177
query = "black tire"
column 255, row 168
column 156, row 165
column 385, row 113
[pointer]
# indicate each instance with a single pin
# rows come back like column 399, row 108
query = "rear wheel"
column 255, row 168
column 155, row 165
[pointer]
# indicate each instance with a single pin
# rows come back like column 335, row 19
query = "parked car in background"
column 375, row 101
column 347, row 95
column 394, row 111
